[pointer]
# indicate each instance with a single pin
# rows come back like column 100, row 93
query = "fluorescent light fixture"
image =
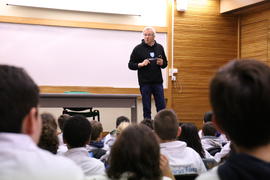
column 122, row 7
column 181, row 5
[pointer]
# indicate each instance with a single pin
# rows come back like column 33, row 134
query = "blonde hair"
column 121, row 127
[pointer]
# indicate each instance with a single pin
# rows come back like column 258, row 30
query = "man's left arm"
column 162, row 59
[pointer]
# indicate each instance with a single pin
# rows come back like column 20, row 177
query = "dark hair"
column 207, row 117
column 209, row 129
column 240, row 97
column 130, row 154
column 97, row 129
column 148, row 123
column 18, row 94
column 77, row 131
column 121, row 119
column 166, row 125
column 62, row 119
column 189, row 134
column 48, row 139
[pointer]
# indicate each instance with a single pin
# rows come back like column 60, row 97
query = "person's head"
column 189, row 134
column 207, row 116
column 97, row 130
column 48, row 118
column 209, row 129
column 121, row 119
column 77, row 131
column 149, row 34
column 166, row 125
column 61, row 120
column 240, row 98
column 130, row 153
column 148, row 122
column 121, row 127
column 19, row 97
column 48, row 139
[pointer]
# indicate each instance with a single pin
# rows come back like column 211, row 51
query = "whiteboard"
column 66, row 56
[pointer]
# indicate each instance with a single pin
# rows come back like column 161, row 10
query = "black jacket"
column 244, row 167
column 150, row 74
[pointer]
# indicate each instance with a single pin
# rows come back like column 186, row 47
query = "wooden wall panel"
column 204, row 40
column 254, row 39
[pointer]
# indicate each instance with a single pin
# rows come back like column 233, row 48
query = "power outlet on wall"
column 172, row 73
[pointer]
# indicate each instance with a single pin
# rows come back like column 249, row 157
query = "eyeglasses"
column 148, row 34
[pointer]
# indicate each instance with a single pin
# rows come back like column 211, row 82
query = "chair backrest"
column 185, row 176
column 209, row 163
column 87, row 112
column 214, row 150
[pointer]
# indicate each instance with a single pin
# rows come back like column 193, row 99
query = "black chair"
column 214, row 150
column 185, row 176
column 87, row 112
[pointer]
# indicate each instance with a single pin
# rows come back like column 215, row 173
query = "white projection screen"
column 66, row 56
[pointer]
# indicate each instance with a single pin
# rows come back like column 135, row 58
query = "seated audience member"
column 62, row 148
column 206, row 118
column 210, row 142
column 148, row 122
column 240, row 98
column 182, row 159
column 76, row 134
column 119, row 129
column 130, row 157
column 110, row 138
column 48, row 139
column 221, row 137
column 61, row 120
column 189, row 134
column 20, row 128
column 96, row 143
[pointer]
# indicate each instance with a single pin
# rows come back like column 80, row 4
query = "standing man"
column 148, row 58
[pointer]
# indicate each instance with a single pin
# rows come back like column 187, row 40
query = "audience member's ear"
column 179, row 131
column 32, row 125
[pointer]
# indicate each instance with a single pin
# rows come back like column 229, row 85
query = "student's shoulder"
column 209, row 175
column 59, row 162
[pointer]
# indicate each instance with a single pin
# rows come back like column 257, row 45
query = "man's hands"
column 144, row 63
column 159, row 61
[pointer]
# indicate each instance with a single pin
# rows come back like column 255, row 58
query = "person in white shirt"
column 182, row 159
column 76, row 134
column 20, row 128
column 209, row 139
column 136, row 155
column 111, row 137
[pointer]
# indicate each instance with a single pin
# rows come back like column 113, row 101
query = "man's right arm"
column 133, row 64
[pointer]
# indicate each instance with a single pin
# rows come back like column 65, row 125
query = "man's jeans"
column 146, row 91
